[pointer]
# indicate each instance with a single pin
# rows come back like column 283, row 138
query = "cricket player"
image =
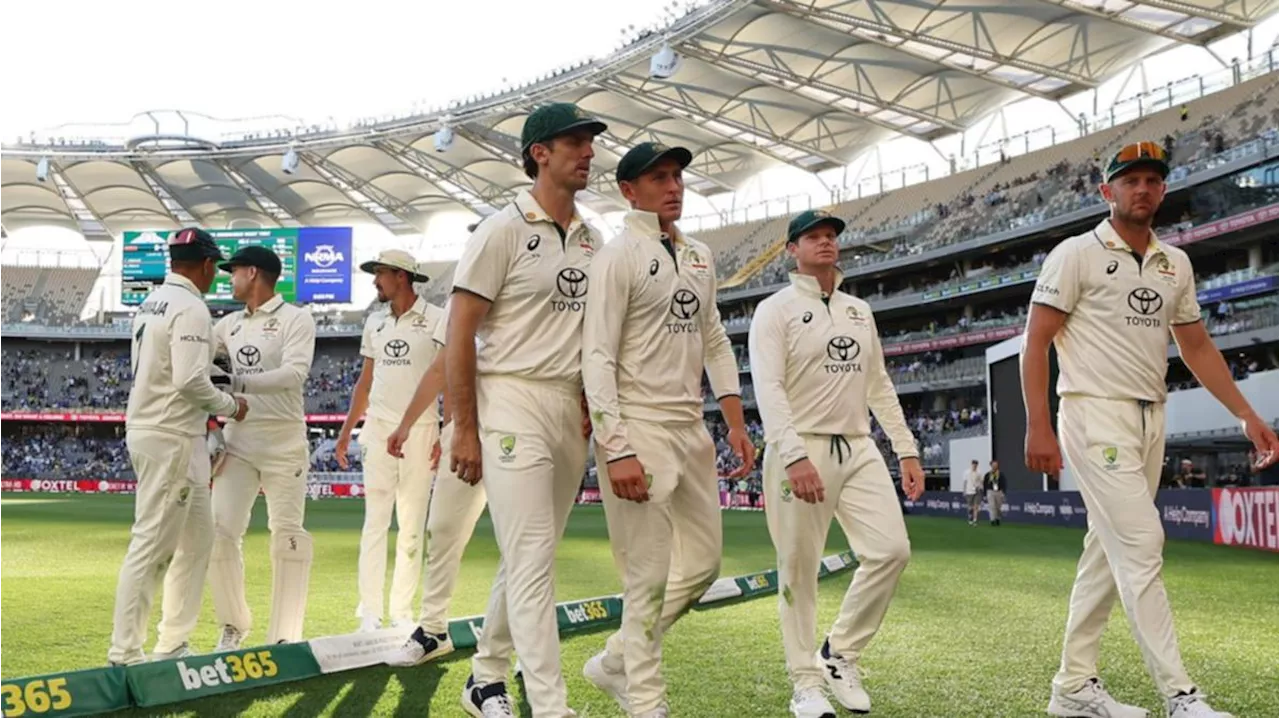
column 818, row 367
column 1108, row 300
column 270, row 345
column 519, row 415
column 651, row 330
column 171, row 398
column 397, row 350
column 454, row 509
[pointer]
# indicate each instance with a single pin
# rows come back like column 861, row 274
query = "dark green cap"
column 644, row 155
column 253, row 255
column 556, row 119
column 811, row 218
column 1137, row 154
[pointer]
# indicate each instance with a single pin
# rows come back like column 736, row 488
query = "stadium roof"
column 762, row 83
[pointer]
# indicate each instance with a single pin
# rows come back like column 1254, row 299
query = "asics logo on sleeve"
column 533, row 242
column 653, row 267
column 808, row 317
column 1112, row 266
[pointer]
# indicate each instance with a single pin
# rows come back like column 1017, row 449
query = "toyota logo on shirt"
column 248, row 355
column 684, row 305
column 571, row 282
column 397, row 352
column 1145, row 302
column 843, row 350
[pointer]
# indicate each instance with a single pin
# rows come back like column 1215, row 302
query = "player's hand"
column 1265, row 446
column 435, row 455
column 586, row 418
column 912, row 477
column 1043, row 454
column 242, row 408
column 628, row 479
column 466, row 463
column 395, row 442
column 805, row 482
column 341, row 449
column 744, row 450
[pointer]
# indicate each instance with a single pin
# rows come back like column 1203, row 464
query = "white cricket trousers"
column 667, row 550
column 859, row 492
column 1115, row 449
column 273, row 459
column 171, row 510
column 533, row 459
column 451, row 520
column 402, row 486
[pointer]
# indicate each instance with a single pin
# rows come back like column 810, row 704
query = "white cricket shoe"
column 843, row 680
column 180, row 652
column 369, row 624
column 486, row 701
column 1192, row 705
column 811, row 703
column 422, row 647
column 614, row 684
column 1091, row 701
column 231, row 640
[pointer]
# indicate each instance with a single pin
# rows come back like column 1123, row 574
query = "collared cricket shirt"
column 653, row 329
column 818, row 368
column 538, row 285
column 1121, row 309
column 271, row 351
column 172, row 356
column 402, row 350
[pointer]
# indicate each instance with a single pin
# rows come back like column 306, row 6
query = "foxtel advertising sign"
column 1245, row 517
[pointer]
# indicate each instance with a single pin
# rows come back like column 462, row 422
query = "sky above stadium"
column 247, row 58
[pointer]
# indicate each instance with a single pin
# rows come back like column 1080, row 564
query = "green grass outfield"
column 975, row 629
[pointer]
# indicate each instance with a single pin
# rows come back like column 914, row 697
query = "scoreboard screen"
column 315, row 262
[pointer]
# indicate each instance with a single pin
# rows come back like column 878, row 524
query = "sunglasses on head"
column 1142, row 151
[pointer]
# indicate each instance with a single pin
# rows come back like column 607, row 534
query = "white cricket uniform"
column 1112, row 354
column 402, row 350
column 270, row 350
column 647, row 337
column 818, row 367
column 528, row 400
column 169, row 403
column 451, row 520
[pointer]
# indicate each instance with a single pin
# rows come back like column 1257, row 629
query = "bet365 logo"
column 229, row 669
column 38, row 696
column 586, row 611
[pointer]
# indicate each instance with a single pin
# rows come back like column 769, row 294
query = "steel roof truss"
column 380, row 206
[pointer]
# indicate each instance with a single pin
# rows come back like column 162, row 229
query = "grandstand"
column 947, row 265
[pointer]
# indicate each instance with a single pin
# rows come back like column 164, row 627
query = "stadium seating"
column 49, row 295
